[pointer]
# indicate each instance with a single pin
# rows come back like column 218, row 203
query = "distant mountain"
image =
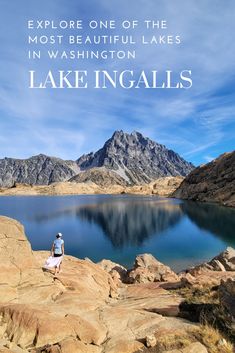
column 125, row 159
column 136, row 159
column 37, row 170
column 213, row 182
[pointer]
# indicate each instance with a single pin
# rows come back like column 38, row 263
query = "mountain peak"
column 117, row 133
column 136, row 158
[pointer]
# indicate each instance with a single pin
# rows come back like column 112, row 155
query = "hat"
column 59, row 235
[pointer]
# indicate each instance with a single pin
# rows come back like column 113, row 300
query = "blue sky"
column 198, row 123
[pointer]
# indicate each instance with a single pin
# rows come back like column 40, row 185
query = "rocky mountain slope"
column 136, row 158
column 100, row 176
column 124, row 159
column 101, row 308
column 212, row 182
column 37, row 170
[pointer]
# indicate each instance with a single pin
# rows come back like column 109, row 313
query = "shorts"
column 57, row 255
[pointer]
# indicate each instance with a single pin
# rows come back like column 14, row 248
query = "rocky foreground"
column 105, row 308
column 103, row 184
column 212, row 182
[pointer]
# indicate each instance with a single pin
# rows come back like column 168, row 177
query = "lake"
column 178, row 233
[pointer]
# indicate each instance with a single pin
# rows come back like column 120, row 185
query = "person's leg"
column 59, row 267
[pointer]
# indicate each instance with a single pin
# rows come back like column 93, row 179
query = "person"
column 57, row 250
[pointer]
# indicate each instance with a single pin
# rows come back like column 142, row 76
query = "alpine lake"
column 178, row 233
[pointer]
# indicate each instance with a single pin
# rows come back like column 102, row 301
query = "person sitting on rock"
column 57, row 250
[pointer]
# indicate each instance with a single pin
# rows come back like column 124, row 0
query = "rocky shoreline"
column 105, row 308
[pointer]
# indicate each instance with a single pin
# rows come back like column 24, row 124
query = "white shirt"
column 58, row 246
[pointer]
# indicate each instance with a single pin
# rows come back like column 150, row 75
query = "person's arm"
column 62, row 248
column 52, row 249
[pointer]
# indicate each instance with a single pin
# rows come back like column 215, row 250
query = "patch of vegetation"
column 210, row 337
column 202, row 305
column 213, row 340
column 199, row 294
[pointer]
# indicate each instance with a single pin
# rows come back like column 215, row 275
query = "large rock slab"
column 19, row 268
column 77, row 311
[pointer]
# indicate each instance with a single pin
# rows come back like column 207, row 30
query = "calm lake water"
column 178, row 233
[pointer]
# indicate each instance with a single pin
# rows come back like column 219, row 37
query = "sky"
column 198, row 123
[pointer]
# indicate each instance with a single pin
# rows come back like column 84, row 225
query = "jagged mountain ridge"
column 134, row 158
column 36, row 170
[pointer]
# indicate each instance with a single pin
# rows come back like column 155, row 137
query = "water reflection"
column 178, row 233
column 218, row 220
column 131, row 223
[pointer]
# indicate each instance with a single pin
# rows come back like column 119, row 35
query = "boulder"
column 151, row 341
column 114, row 269
column 223, row 264
column 17, row 263
column 225, row 261
column 187, row 280
column 148, row 269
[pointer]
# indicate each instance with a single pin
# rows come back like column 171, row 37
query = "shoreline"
column 160, row 187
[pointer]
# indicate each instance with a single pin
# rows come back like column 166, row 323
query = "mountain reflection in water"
column 178, row 233
column 131, row 223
